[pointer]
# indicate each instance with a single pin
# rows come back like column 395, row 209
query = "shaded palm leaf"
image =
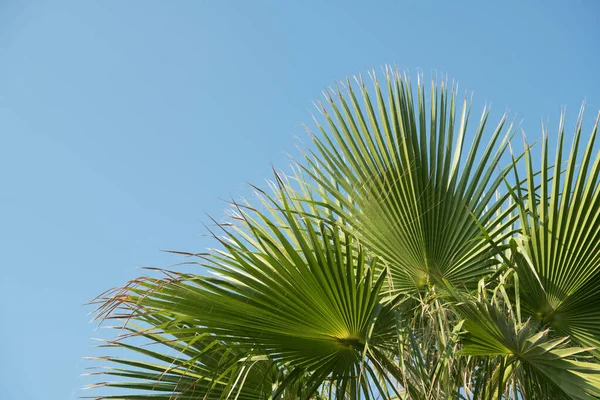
column 534, row 357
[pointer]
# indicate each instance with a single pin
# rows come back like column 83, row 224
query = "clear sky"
column 123, row 122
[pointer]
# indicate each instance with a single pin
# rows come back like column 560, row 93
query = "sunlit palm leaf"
column 396, row 175
column 309, row 303
column 560, row 241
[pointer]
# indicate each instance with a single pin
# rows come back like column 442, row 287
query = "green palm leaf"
column 396, row 176
column 304, row 295
column 559, row 264
column 182, row 364
column 539, row 363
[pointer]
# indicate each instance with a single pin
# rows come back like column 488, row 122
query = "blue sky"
column 123, row 123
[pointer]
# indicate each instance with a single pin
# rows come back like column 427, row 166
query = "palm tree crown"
column 411, row 254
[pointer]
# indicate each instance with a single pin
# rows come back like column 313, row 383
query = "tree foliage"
column 411, row 254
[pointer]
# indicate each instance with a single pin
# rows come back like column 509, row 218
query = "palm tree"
column 395, row 262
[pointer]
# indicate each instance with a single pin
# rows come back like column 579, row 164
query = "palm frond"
column 396, row 175
column 559, row 245
column 303, row 294
column 530, row 354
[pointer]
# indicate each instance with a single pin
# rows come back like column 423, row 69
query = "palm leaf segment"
column 397, row 176
column 560, row 241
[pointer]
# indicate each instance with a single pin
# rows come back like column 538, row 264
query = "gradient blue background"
column 123, row 122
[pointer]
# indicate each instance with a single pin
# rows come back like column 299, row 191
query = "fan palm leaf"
column 559, row 247
column 544, row 367
column 396, row 175
column 303, row 294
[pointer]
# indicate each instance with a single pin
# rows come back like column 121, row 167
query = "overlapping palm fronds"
column 399, row 261
column 521, row 359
